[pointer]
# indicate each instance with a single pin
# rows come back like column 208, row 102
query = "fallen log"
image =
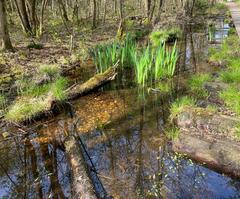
column 82, row 185
column 93, row 83
column 209, row 137
column 220, row 155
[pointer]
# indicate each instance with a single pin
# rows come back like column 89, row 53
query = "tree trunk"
column 22, row 11
column 44, row 3
column 6, row 42
column 148, row 7
column 63, row 10
column 94, row 22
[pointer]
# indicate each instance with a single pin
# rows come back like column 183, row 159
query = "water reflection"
column 33, row 167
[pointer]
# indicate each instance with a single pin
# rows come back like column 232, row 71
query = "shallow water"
column 122, row 129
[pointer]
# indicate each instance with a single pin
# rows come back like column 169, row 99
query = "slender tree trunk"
column 4, row 34
column 94, row 22
column 22, row 11
column 43, row 6
column 63, row 10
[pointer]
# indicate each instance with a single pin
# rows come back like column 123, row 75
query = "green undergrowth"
column 196, row 85
column 180, row 104
column 229, row 50
column 231, row 97
column 34, row 98
column 229, row 54
column 172, row 133
column 167, row 35
column 52, row 70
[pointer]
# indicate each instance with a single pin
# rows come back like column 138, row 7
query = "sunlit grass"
column 172, row 133
column 178, row 106
column 51, row 70
column 231, row 98
column 24, row 109
column 196, row 84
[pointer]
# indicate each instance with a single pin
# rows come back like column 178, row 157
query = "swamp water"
column 123, row 134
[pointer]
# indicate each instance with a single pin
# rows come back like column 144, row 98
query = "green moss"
column 231, row 98
column 178, row 106
column 196, row 84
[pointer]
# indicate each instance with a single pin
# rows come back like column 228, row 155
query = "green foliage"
column 229, row 50
column 231, row 98
column 155, row 64
column 58, row 88
column 196, row 84
column 232, row 31
column 36, row 90
column 201, row 6
column 178, row 106
column 105, row 56
column 231, row 76
column 128, row 51
column 172, row 133
column 167, row 35
column 143, row 66
column 165, row 61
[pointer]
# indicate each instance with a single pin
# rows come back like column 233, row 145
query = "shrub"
column 167, row 35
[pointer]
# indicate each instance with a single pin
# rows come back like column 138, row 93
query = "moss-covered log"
column 93, row 83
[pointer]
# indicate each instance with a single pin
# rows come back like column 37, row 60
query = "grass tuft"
column 24, row 109
column 178, row 106
column 51, row 70
column 58, row 88
column 231, row 98
column 172, row 133
column 196, row 84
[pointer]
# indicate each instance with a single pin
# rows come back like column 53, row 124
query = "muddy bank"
column 209, row 137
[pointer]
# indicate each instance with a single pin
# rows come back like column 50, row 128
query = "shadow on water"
column 124, row 136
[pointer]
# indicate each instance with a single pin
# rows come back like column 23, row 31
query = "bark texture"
column 4, row 34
